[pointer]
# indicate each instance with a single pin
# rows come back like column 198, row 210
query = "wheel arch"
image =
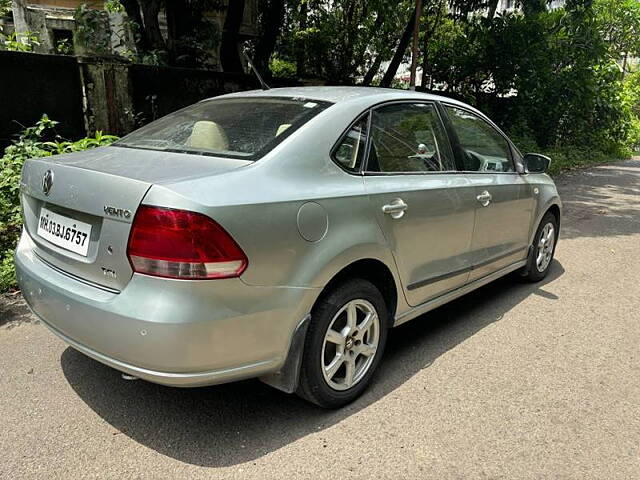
column 555, row 207
column 555, row 210
column 371, row 269
column 374, row 271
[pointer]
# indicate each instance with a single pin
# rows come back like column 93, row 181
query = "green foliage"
column 631, row 99
column 64, row 47
column 282, row 68
column 619, row 22
column 114, row 6
column 29, row 144
column 21, row 42
column 92, row 29
column 339, row 40
column 569, row 157
column 5, row 8
column 552, row 74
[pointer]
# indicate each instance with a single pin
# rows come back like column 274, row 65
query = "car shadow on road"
column 236, row 423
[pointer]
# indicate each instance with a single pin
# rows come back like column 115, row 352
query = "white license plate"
column 64, row 232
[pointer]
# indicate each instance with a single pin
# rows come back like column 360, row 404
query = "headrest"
column 209, row 135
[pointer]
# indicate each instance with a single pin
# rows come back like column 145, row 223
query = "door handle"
column 484, row 198
column 396, row 208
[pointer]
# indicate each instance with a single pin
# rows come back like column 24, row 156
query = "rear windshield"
column 245, row 128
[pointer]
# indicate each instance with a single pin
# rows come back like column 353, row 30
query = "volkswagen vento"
column 278, row 234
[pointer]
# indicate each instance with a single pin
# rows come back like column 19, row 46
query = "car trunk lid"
column 99, row 190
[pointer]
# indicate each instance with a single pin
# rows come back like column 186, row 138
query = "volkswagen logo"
column 47, row 182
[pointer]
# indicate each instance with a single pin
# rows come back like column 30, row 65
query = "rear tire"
column 344, row 344
column 542, row 250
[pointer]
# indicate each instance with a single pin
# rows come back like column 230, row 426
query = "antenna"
column 262, row 82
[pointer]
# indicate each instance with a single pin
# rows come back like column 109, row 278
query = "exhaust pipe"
column 128, row 377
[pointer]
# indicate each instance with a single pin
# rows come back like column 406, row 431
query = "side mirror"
column 536, row 163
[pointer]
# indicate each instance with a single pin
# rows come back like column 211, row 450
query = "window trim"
column 455, row 140
column 344, row 134
column 434, row 103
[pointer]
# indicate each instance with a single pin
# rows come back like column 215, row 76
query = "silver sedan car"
column 278, row 234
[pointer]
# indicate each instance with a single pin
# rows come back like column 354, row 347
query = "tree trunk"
column 132, row 8
column 400, row 51
column 373, row 69
column 152, row 33
column 300, row 48
column 177, row 24
column 272, row 18
column 414, row 46
column 493, row 7
column 230, row 47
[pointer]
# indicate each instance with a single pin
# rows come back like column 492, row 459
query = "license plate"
column 64, row 232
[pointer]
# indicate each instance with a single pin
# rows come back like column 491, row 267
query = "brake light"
column 181, row 244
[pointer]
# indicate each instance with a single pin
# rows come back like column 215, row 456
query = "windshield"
column 245, row 128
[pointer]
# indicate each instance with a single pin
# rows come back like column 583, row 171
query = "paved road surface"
column 512, row 381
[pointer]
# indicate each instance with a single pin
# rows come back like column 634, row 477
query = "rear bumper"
column 172, row 332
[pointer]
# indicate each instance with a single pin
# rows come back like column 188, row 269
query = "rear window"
column 245, row 128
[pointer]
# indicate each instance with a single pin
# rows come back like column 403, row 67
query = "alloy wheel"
column 350, row 344
column 545, row 247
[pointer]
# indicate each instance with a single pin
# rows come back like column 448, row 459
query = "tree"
column 272, row 17
column 144, row 14
column 230, row 47
column 400, row 51
column 619, row 22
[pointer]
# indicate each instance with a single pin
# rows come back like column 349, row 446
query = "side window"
column 483, row 147
column 350, row 151
column 408, row 137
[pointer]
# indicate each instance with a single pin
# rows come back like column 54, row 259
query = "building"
column 53, row 22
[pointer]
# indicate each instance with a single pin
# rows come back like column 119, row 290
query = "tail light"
column 181, row 244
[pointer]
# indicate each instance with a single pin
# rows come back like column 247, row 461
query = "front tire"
column 542, row 250
column 344, row 344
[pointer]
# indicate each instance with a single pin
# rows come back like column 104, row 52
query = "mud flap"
column 286, row 379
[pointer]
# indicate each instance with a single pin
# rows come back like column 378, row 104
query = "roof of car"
column 339, row 94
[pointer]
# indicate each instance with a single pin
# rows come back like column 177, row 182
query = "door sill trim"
column 444, row 276
column 458, row 292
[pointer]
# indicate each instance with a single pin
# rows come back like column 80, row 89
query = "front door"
column 424, row 208
column 504, row 199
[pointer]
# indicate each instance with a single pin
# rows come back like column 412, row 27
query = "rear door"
column 425, row 209
column 504, row 200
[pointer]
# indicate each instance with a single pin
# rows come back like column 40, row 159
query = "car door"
column 424, row 208
column 504, row 198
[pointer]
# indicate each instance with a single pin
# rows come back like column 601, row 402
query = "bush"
column 282, row 68
column 570, row 157
column 29, row 144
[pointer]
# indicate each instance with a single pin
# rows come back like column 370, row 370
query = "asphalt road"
column 512, row 381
